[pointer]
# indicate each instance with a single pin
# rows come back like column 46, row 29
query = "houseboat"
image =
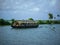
column 25, row 24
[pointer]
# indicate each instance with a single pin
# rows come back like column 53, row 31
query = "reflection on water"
column 52, row 27
column 43, row 35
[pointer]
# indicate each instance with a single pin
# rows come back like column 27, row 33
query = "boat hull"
column 24, row 26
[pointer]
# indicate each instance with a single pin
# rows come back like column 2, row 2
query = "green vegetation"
column 4, row 22
column 40, row 22
column 50, row 16
column 50, row 21
column 13, row 20
column 30, row 19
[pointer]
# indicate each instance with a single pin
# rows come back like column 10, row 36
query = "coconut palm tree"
column 50, row 17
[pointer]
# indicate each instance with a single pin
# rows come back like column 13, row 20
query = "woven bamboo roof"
column 27, row 21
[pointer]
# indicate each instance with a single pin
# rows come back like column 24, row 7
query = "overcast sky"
column 24, row 9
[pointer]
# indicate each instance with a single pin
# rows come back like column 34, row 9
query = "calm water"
column 43, row 35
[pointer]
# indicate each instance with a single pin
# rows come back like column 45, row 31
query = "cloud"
column 17, row 3
column 30, row 7
column 35, row 9
column 27, row 5
column 53, row 2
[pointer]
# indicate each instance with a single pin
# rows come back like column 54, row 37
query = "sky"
column 24, row 9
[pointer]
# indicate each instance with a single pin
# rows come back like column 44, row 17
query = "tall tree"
column 13, row 20
column 50, row 16
column 30, row 19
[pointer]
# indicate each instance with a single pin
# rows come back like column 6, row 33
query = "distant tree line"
column 50, row 21
column 30, row 19
column 4, row 22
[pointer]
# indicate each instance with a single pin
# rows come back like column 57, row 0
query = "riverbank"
column 9, row 22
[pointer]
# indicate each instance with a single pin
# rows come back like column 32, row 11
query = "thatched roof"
column 27, row 21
